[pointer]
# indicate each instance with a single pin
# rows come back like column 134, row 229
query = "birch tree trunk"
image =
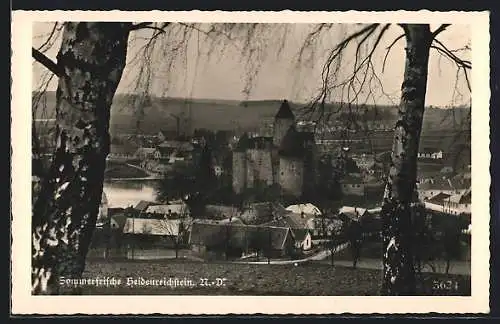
column 399, row 272
column 91, row 61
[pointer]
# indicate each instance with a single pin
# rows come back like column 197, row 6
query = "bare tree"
column 89, row 67
column 176, row 228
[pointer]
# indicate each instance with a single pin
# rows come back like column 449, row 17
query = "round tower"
column 283, row 120
column 239, row 172
column 291, row 163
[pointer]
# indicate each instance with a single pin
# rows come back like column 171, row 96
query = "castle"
column 286, row 158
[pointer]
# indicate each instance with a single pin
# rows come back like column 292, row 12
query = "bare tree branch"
column 439, row 30
column 141, row 25
column 45, row 61
column 389, row 49
column 49, row 38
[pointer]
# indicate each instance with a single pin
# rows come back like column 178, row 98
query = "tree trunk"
column 399, row 272
column 91, row 60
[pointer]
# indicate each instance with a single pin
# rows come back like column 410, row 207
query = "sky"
column 225, row 76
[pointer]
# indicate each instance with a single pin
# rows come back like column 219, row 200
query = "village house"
column 458, row 203
column 170, row 211
column 364, row 161
column 352, row 213
column 232, row 240
column 121, row 152
column 352, row 185
column 150, row 232
column 147, row 153
column 142, row 205
column 307, row 208
column 294, row 221
column 219, row 212
column 430, row 187
column 430, row 153
column 166, row 134
column 302, row 239
column 262, row 212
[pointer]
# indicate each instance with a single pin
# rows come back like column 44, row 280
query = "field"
column 244, row 279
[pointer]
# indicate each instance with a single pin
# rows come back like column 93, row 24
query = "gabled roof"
column 285, row 112
column 221, row 211
column 267, row 211
column 143, row 205
column 238, row 236
column 300, row 234
column 439, row 198
column 179, row 209
column 353, row 213
column 178, row 145
column 306, row 208
column 120, row 220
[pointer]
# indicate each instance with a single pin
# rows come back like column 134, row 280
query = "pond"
column 124, row 193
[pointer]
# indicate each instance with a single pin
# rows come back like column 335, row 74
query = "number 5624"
column 445, row 285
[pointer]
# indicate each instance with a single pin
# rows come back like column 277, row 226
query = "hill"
column 243, row 115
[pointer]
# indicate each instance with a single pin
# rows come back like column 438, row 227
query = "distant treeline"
column 244, row 115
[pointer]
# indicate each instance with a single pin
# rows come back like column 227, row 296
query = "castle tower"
column 291, row 162
column 283, row 120
column 239, row 172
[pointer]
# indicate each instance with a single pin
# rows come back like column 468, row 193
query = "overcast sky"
column 224, row 76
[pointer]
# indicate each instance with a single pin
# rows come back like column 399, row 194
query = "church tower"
column 283, row 120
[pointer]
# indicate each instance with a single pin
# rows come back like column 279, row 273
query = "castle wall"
column 259, row 167
column 291, row 175
column 239, row 171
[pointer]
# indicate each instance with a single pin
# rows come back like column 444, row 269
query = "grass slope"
column 241, row 279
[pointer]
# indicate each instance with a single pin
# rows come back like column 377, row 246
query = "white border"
column 24, row 303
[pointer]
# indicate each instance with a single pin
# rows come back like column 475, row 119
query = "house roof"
column 120, row 220
column 179, row 209
column 300, row 234
column 267, row 211
column 143, row 205
column 175, row 144
column 169, row 134
column 296, row 220
column 115, row 211
column 284, row 112
column 145, row 150
column 221, row 211
column 461, row 198
column 353, row 213
column 439, row 198
column 351, row 179
column 148, row 226
column 306, row 208
column 128, row 148
column 241, row 236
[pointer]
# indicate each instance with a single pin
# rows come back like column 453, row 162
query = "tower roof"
column 285, row 112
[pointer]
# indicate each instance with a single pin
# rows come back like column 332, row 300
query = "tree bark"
column 92, row 57
column 399, row 272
